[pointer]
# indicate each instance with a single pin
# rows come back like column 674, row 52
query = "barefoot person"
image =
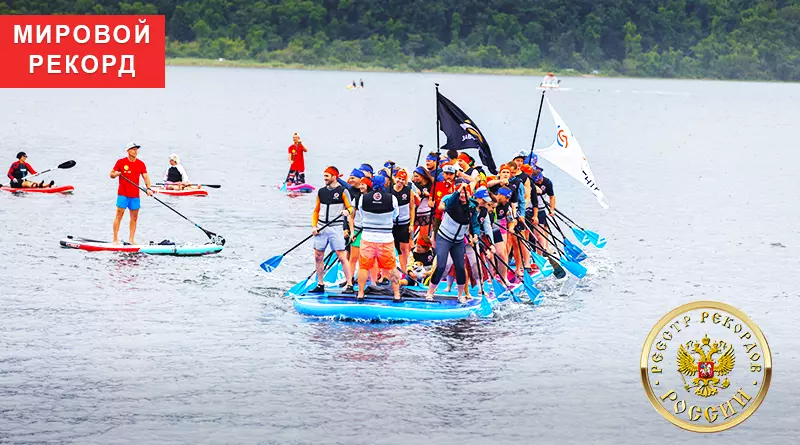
column 19, row 170
column 297, row 170
column 128, row 194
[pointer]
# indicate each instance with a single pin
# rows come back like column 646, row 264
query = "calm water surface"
column 107, row 348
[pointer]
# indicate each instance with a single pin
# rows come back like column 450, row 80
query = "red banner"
column 82, row 51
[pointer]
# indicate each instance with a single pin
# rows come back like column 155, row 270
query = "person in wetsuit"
column 19, row 170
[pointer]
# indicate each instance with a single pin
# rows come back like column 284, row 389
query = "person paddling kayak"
column 127, row 193
column 176, row 178
column 297, row 170
column 19, row 170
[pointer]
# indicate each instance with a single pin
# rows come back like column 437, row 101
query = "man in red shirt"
column 127, row 193
column 297, row 171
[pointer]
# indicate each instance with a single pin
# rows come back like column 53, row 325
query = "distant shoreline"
column 194, row 61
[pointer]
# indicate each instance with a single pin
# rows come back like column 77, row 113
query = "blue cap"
column 379, row 182
column 366, row 168
column 482, row 193
column 357, row 173
column 504, row 191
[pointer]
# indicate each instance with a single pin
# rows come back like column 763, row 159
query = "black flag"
column 461, row 132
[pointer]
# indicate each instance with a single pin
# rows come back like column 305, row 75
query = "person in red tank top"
column 297, row 171
column 129, row 168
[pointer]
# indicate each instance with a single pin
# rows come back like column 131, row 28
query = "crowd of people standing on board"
column 444, row 220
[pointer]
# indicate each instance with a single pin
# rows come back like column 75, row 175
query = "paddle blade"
column 298, row 289
column 596, row 239
column 272, row 263
column 558, row 271
column 574, row 268
column 573, row 252
column 485, row 308
column 581, row 236
column 68, row 164
column 283, row 187
column 533, row 293
column 498, row 291
column 544, row 267
column 213, row 186
column 333, row 274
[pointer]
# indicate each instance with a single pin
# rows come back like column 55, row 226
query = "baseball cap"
column 521, row 154
column 482, row 193
column 448, row 169
column 132, row 145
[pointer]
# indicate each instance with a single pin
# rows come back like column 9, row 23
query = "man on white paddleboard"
column 127, row 193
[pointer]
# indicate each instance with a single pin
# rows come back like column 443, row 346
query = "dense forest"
column 731, row 39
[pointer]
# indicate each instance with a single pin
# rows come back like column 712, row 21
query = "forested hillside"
column 733, row 39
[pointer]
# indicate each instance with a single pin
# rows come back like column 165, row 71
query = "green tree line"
column 730, row 39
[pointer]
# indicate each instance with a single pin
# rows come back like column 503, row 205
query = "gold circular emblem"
column 706, row 366
column 125, row 167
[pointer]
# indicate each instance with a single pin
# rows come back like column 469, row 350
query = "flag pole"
column 536, row 130
column 436, row 172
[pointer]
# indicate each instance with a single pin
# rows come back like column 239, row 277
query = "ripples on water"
column 98, row 349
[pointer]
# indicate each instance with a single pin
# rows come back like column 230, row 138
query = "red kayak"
column 186, row 192
column 58, row 189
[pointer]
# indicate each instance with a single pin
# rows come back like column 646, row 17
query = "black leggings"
column 456, row 251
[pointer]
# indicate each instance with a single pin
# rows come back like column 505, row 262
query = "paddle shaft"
column 213, row 186
column 311, row 236
column 419, row 153
column 562, row 215
column 496, row 272
column 208, row 233
column 67, row 164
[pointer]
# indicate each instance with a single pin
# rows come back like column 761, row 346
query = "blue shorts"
column 123, row 202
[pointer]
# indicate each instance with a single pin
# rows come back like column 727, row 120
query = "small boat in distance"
column 550, row 81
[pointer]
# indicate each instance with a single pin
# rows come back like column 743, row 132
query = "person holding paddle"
column 176, row 178
column 333, row 203
column 20, row 169
column 129, row 168
column 297, row 170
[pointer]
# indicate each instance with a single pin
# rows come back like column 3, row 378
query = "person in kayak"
column 404, row 223
column 129, row 168
column 19, row 170
column 176, row 178
column 377, row 211
column 460, row 218
column 332, row 202
column 297, row 170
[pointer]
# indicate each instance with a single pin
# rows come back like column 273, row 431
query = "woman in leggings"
column 460, row 217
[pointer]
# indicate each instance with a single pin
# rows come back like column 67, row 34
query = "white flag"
column 566, row 154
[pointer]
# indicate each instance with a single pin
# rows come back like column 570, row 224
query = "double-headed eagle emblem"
column 706, row 370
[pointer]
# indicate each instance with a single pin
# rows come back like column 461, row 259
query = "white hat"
column 174, row 157
column 132, row 145
column 521, row 154
column 448, row 169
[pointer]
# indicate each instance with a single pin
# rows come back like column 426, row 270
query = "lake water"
column 109, row 349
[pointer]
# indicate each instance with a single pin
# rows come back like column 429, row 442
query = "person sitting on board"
column 129, row 168
column 404, row 224
column 421, row 264
column 423, row 206
column 377, row 211
column 460, row 217
column 332, row 202
column 550, row 79
column 297, row 170
column 544, row 187
column 176, row 178
column 19, row 170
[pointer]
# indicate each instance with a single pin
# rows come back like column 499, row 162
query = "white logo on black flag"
column 461, row 131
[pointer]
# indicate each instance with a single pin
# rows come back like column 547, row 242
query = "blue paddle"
column 573, row 252
column 273, row 263
column 514, row 296
column 580, row 235
column 594, row 237
column 486, row 307
column 300, row 287
column 533, row 293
